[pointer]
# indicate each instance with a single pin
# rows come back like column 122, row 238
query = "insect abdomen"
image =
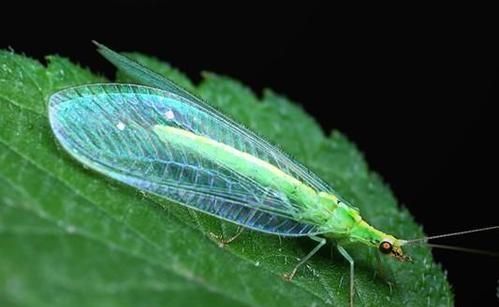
column 240, row 162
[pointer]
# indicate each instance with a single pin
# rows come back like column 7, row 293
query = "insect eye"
column 385, row 247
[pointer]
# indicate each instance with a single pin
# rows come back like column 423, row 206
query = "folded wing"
column 109, row 127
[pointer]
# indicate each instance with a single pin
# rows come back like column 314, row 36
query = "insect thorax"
column 344, row 222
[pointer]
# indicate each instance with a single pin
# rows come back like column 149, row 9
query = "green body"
column 338, row 220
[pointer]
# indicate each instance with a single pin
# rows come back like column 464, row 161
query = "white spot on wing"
column 169, row 115
column 121, row 126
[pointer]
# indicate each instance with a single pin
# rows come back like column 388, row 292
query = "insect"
column 164, row 140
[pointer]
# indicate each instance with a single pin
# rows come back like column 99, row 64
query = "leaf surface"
column 72, row 237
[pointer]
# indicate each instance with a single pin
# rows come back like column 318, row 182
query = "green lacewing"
column 162, row 139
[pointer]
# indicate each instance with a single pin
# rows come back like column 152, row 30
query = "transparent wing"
column 238, row 137
column 109, row 127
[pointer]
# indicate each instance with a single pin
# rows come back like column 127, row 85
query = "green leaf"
column 71, row 237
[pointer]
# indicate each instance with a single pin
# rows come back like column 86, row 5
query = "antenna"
column 464, row 249
column 424, row 240
column 452, row 234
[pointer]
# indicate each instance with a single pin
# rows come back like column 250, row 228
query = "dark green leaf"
column 71, row 237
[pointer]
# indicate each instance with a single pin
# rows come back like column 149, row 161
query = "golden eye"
column 385, row 247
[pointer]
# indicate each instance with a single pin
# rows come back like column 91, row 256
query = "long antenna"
column 464, row 249
column 424, row 239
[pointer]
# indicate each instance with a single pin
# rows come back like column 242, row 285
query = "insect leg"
column 222, row 241
column 322, row 241
column 345, row 254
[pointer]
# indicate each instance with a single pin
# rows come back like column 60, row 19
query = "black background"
column 414, row 88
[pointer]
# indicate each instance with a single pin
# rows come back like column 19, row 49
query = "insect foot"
column 221, row 241
column 289, row 276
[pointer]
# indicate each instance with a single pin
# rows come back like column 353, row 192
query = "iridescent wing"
column 109, row 128
column 240, row 137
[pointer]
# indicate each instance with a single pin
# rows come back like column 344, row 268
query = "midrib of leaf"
column 115, row 247
column 69, row 284
column 57, row 230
